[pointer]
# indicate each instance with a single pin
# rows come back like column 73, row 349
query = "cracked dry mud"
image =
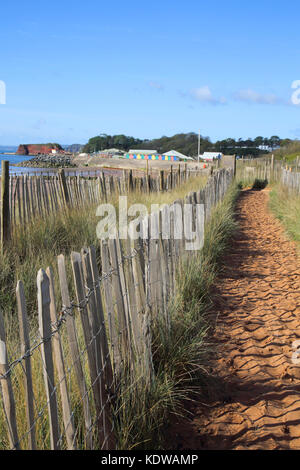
column 257, row 319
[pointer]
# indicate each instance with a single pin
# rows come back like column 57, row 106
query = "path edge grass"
column 284, row 204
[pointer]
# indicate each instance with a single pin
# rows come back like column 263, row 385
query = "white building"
column 143, row 152
column 268, row 148
column 179, row 155
column 211, row 155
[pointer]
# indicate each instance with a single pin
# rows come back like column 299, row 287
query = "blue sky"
column 75, row 69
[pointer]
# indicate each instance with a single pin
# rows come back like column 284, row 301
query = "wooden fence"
column 259, row 168
column 291, row 180
column 84, row 346
column 25, row 197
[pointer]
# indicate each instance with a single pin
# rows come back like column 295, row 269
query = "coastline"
column 46, row 161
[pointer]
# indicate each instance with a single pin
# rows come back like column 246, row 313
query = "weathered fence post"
column 74, row 349
column 64, row 185
column 89, row 338
column 272, row 165
column 178, row 175
column 103, row 336
column 7, row 391
column 46, row 348
column 130, row 181
column 5, row 218
column 100, row 361
column 25, row 347
column 110, row 313
column 162, row 181
column 60, row 367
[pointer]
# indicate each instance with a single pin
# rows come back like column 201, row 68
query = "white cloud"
column 204, row 95
column 251, row 96
column 156, row 86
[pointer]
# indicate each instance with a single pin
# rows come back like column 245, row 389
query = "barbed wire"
column 65, row 311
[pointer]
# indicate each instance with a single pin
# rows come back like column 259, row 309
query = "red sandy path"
column 257, row 319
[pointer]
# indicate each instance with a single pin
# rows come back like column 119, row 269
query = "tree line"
column 186, row 144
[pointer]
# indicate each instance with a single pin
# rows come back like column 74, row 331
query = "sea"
column 6, row 154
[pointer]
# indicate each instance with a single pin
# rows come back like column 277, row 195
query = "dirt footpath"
column 256, row 404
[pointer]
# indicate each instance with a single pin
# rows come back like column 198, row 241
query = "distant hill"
column 73, row 148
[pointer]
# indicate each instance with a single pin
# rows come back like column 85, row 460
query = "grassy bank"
column 288, row 153
column 285, row 205
column 180, row 352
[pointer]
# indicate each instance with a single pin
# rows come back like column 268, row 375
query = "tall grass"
column 180, row 351
column 285, row 205
column 289, row 152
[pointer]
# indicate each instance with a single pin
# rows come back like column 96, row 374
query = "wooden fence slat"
column 25, row 346
column 100, row 313
column 74, row 349
column 117, row 287
column 64, row 186
column 156, row 285
column 43, row 295
column 165, row 277
column 106, row 359
column 124, row 284
column 23, row 199
column 143, row 313
column 110, row 311
column 5, row 218
column 91, row 307
column 134, row 314
column 101, row 362
column 7, row 391
column 87, row 333
column 60, row 367
column 16, row 181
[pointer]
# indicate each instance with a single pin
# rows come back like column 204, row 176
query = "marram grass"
column 285, row 205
